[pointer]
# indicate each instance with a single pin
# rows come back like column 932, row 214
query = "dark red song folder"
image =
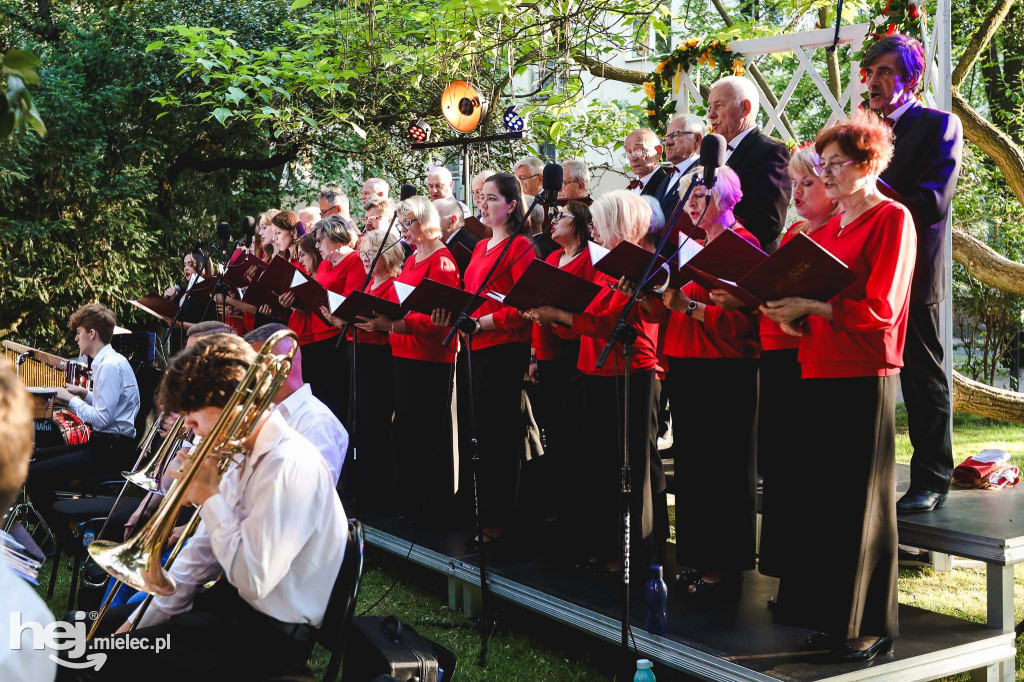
column 729, row 256
column 462, row 256
column 628, row 260
column 476, row 228
column 243, row 268
column 280, row 276
column 310, row 295
column 429, row 295
column 544, row 284
column 801, row 268
column 157, row 305
column 362, row 304
column 258, row 294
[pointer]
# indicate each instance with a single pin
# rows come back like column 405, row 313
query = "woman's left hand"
column 334, row 321
column 378, row 323
column 546, row 315
column 789, row 309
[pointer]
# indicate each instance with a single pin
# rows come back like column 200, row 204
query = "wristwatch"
column 691, row 305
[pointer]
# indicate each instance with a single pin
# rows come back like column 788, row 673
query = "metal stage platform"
column 728, row 641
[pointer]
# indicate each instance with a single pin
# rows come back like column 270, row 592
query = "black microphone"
column 552, row 185
column 712, row 157
column 407, row 191
column 223, row 233
column 248, row 227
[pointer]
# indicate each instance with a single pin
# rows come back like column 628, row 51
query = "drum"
column 63, row 427
column 77, row 374
column 42, row 401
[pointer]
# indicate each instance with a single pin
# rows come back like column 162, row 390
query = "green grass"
column 971, row 434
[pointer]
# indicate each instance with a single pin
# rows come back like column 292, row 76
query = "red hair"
column 864, row 138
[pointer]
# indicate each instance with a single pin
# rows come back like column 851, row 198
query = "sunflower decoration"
column 706, row 53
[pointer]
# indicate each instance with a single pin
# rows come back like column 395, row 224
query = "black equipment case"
column 378, row 646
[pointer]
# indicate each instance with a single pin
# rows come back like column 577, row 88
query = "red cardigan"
column 869, row 317
column 348, row 275
column 422, row 340
column 510, row 325
column 545, row 339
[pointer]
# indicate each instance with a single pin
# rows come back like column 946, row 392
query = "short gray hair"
column 727, row 191
column 692, row 124
column 337, row 229
column 446, row 175
column 261, row 334
column 450, row 207
column 207, row 328
column 741, row 89
column 532, row 162
column 657, row 215
column 335, row 196
column 578, row 172
column 647, row 135
column 378, row 185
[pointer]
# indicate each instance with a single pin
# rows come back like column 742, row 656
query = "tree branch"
column 831, row 58
column 615, row 73
column 987, row 265
column 980, row 40
column 994, row 142
column 986, row 401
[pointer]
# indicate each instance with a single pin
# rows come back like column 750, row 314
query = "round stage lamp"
column 419, row 130
column 463, row 106
column 514, row 119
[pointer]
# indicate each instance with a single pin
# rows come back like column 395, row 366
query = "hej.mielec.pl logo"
column 71, row 637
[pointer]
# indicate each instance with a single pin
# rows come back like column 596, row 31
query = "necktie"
column 635, row 182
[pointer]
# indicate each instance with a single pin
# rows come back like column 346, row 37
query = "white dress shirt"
column 276, row 530
column 735, row 142
column 643, row 182
column 112, row 404
column 672, row 179
column 895, row 116
column 25, row 663
column 315, row 422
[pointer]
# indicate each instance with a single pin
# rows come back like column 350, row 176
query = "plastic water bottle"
column 88, row 536
column 643, row 670
column 656, row 592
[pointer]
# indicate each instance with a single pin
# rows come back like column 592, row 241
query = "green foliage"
column 16, row 107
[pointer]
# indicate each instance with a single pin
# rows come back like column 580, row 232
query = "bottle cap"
column 644, row 664
column 657, row 571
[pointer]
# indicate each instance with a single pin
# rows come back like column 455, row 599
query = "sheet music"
column 597, row 252
column 403, row 290
column 334, row 300
column 688, row 248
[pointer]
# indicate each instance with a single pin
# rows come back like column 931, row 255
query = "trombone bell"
column 132, row 563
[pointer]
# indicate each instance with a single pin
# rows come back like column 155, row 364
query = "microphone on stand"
column 552, row 184
column 407, row 191
column 712, row 157
column 248, row 231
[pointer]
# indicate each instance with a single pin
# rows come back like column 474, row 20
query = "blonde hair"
column 726, row 192
column 804, row 163
column 423, row 210
column 16, row 434
column 621, row 216
column 391, row 257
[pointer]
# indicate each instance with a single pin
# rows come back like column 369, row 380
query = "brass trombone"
column 137, row 562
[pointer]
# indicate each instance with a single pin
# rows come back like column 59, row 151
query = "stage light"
column 514, row 119
column 463, row 106
column 419, row 130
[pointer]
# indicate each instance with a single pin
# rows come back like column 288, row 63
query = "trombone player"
column 273, row 530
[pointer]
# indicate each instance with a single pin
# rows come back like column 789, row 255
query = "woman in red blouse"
column 501, row 356
column 712, row 382
column 558, row 398
column 779, row 388
column 851, row 351
column 373, row 479
column 422, row 426
column 618, row 216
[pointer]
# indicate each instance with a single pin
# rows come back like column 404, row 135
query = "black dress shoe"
column 883, row 646
column 916, row 501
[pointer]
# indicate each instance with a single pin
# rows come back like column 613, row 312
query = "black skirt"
column 780, row 403
column 422, row 433
column 599, row 465
column 713, row 402
column 369, row 475
column 848, row 500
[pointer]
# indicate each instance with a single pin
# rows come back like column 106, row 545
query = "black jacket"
column 763, row 168
column 668, row 197
column 924, row 169
column 651, row 188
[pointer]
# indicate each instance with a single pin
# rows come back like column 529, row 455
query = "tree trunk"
column 985, row 401
column 986, row 265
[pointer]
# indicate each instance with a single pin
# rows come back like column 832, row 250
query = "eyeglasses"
column 324, row 214
column 678, row 133
column 569, row 182
column 560, row 216
column 366, row 255
column 833, row 168
column 640, row 151
column 408, row 223
column 528, row 177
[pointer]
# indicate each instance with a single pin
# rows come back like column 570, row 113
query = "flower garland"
column 710, row 53
column 892, row 16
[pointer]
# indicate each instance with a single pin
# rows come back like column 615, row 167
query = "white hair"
column 657, row 215
column 377, row 185
column 727, row 191
column 532, row 162
column 441, row 172
column 741, row 89
column 691, row 123
column 578, row 172
column 646, row 135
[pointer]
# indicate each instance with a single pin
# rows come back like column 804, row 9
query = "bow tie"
column 730, row 148
column 889, row 122
column 636, row 182
column 672, row 171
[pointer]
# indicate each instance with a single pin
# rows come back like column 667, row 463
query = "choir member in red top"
column 617, row 216
column 422, row 426
column 557, row 394
column 851, row 351
column 779, row 387
column 371, row 476
column 712, row 383
column 500, row 356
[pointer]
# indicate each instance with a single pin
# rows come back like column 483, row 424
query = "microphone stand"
column 625, row 334
column 485, row 624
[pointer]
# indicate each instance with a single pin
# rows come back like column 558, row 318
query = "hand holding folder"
column 544, row 284
column 429, row 296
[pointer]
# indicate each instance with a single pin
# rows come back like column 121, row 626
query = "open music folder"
column 243, row 268
column 628, row 260
column 361, row 304
column 543, row 284
column 801, row 268
column 429, row 295
column 462, row 255
column 729, row 256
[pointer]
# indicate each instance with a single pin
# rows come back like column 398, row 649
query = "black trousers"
column 659, row 484
column 599, row 465
column 103, row 455
column 327, row 370
column 557, row 401
column 370, row 475
column 846, row 439
column 221, row 638
column 423, row 437
column 713, row 404
column 498, row 403
column 926, row 395
column 779, row 401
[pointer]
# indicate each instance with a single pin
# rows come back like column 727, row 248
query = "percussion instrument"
column 42, row 401
column 63, row 427
column 38, row 368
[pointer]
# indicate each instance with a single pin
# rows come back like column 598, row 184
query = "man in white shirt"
column 272, row 526
column 440, row 184
column 25, row 663
column 302, row 410
column 643, row 152
column 109, row 408
column 682, row 142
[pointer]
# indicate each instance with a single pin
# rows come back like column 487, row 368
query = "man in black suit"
column 453, row 231
column 643, row 151
column 922, row 176
column 761, row 163
column 682, row 144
